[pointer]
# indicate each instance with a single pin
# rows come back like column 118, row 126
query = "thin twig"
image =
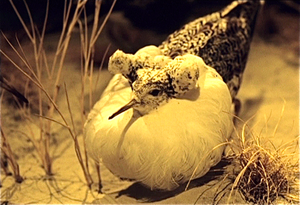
column 87, row 175
column 10, row 156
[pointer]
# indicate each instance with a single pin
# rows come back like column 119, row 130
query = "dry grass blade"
column 34, row 70
column 87, row 63
column 101, row 64
column 266, row 172
column 282, row 111
column 36, row 40
column 31, row 36
column 240, row 175
column 103, row 23
column 62, row 54
column 21, row 70
column 8, row 153
column 53, row 120
column 86, row 173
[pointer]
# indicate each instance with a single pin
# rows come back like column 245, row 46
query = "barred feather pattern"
column 222, row 39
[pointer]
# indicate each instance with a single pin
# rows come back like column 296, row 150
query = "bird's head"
column 154, row 87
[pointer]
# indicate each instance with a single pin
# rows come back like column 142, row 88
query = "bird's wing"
column 222, row 39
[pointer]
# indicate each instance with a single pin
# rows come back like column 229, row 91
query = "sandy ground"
column 271, row 83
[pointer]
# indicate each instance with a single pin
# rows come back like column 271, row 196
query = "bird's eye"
column 155, row 92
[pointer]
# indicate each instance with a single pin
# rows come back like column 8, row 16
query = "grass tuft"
column 266, row 173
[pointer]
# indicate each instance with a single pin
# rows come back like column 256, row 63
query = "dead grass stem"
column 87, row 63
column 7, row 154
column 36, row 71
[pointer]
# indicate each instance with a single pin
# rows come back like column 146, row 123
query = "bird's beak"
column 124, row 108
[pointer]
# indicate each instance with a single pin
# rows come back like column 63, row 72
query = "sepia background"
column 269, row 96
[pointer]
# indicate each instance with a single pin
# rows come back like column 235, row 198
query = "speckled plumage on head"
column 160, row 79
column 128, row 64
column 176, row 78
column 222, row 39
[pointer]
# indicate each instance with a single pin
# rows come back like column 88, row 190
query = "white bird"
column 162, row 119
column 163, row 139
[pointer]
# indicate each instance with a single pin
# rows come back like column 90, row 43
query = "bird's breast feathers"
column 207, row 106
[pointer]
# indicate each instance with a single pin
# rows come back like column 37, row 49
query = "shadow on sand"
column 144, row 194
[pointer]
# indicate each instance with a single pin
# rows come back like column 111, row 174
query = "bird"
column 166, row 114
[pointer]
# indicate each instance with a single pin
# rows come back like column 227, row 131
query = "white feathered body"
column 164, row 147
